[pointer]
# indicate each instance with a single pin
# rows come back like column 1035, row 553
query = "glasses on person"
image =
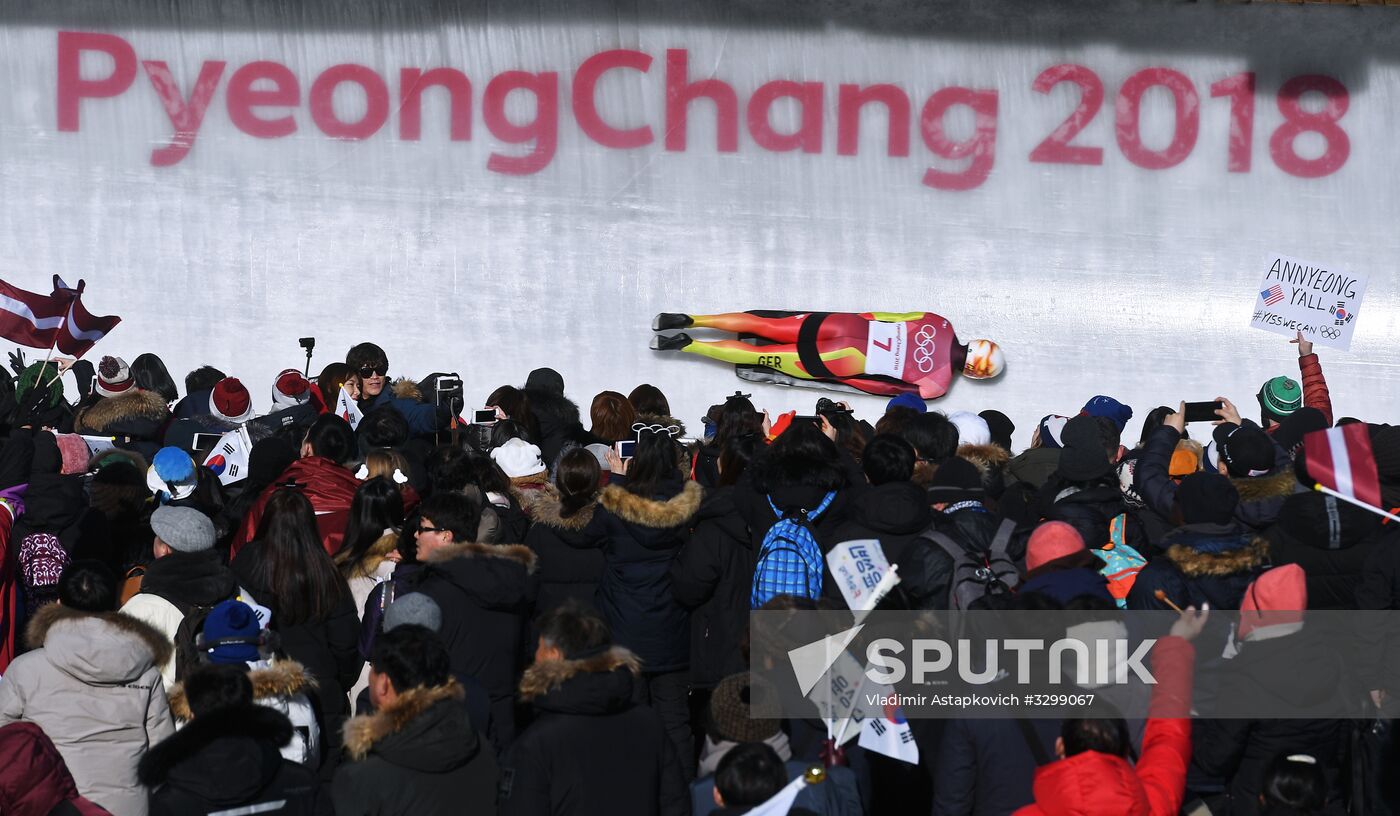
column 370, row 371
column 423, row 529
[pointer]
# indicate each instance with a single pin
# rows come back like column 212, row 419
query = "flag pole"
column 52, row 346
column 1363, row 505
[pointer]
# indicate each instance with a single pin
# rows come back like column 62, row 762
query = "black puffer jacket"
column 713, row 578
column 417, row 756
column 1331, row 540
column 640, row 537
column 139, row 417
column 591, row 751
column 228, row 760
column 565, row 571
column 559, row 426
column 486, row 593
column 58, row 506
column 894, row 513
column 926, row 569
column 188, row 580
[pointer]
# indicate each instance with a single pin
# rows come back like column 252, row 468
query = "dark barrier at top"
column 1302, row 665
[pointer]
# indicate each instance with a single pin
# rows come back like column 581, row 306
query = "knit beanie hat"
column 1000, row 426
column 547, row 380
column 1280, row 397
column 1103, row 406
column 37, row 376
column 1186, row 458
column 1051, row 427
column 75, row 453
column 413, row 608
column 955, row 480
column 290, row 389
column 230, row 401
column 231, row 633
column 518, row 458
column 1052, row 541
column 113, row 377
column 972, row 429
column 1083, row 458
column 730, row 707
column 183, row 529
column 1277, row 597
column 172, row 472
column 910, row 401
column 1207, row 498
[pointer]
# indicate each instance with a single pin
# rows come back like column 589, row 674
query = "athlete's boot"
column 666, row 321
column 673, row 342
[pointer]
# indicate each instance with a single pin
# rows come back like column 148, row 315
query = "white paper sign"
column 861, row 571
column 347, row 409
column 1319, row 300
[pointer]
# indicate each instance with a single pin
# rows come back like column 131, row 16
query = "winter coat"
column 417, row 756
column 1064, row 585
column 1380, row 589
column 1315, row 392
column 1091, row 510
column 755, row 508
column 1261, row 497
column 558, row 421
column 713, row 579
column 16, row 460
column 591, row 750
column 640, row 537
column 373, row 569
column 283, row 686
column 565, row 571
column 926, row 569
column 328, row 649
column 1097, row 784
column 1331, row 540
column 228, row 761
column 328, row 486
column 93, row 685
column 1203, row 563
column 172, row 587
column 1033, row 467
column 985, row 767
column 138, row 415
column 58, row 505
column 404, row 397
column 895, row 513
column 486, row 593
column 1295, row 673
column 34, row 781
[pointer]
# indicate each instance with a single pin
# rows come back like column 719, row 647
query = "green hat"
column 1281, row 396
column 29, row 379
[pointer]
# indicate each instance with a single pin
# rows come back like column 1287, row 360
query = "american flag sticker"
column 1272, row 295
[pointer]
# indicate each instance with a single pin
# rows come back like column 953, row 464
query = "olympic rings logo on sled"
column 924, row 348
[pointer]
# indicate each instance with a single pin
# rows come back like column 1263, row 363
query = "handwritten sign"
column 1320, row 300
column 862, row 573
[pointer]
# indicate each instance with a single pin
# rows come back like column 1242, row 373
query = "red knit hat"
column 290, row 389
column 1276, row 597
column 230, row 401
column 1051, row 541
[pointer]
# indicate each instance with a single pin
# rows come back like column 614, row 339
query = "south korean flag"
column 229, row 458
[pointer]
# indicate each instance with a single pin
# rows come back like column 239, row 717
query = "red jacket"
column 1096, row 784
column 1315, row 393
column 33, row 777
column 330, row 488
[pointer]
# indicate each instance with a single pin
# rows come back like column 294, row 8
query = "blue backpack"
column 789, row 560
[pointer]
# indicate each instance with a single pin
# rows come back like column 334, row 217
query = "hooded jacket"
column 140, row 415
column 282, row 686
column 713, row 578
column 417, row 756
column 93, row 685
column 328, row 486
column 641, row 536
column 486, row 593
column 1331, row 540
column 559, row 425
column 591, row 751
column 34, row 781
column 172, row 587
column 1203, row 563
column 894, row 513
column 565, row 571
column 229, row 761
column 1097, row 784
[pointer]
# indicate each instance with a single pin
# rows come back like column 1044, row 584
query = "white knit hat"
column 972, row 429
column 113, row 377
column 518, row 458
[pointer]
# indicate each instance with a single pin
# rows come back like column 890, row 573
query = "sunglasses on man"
column 370, row 371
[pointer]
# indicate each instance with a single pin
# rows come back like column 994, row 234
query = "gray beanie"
column 415, row 608
column 183, row 529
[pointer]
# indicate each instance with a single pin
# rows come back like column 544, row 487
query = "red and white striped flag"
column 82, row 329
column 1340, row 459
column 31, row 319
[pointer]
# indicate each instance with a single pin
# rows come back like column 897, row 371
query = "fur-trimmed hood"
column 374, row 556
column 1207, row 550
column 521, row 485
column 363, row 733
column 470, row 549
column 256, row 722
column 543, row 678
column 284, row 678
column 987, row 458
column 133, row 405
column 656, row 513
column 544, row 507
column 1278, row 485
column 404, row 388
column 104, row 648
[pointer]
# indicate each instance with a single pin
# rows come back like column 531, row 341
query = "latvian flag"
column 82, row 329
column 31, row 319
column 1340, row 459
